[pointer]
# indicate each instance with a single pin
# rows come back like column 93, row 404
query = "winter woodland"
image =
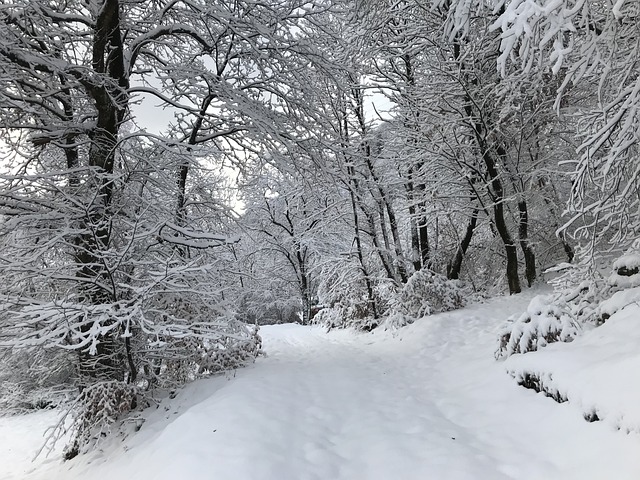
column 175, row 174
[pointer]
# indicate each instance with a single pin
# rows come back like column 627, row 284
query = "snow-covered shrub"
column 396, row 320
column 35, row 378
column 586, row 300
column 209, row 349
column 624, row 286
column 547, row 320
column 19, row 398
column 591, row 295
column 346, row 313
column 345, row 302
column 597, row 297
column 225, row 355
column 626, row 271
column 426, row 293
column 617, row 302
column 582, row 300
column 95, row 412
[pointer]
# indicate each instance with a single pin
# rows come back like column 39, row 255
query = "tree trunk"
column 489, row 153
column 399, row 259
column 423, row 240
column 388, row 260
column 454, row 267
column 421, row 253
column 509, row 246
column 303, row 278
column 527, row 249
column 498, row 214
column 111, row 102
column 371, row 301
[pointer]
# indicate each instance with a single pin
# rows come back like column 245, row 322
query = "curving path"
column 426, row 403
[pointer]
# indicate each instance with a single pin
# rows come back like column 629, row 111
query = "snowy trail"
column 428, row 403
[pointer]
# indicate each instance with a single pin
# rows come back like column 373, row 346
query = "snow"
column 562, row 266
column 21, row 437
column 619, row 300
column 427, row 401
column 624, row 281
column 629, row 261
column 597, row 373
column 196, row 239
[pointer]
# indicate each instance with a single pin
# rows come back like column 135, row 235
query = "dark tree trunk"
column 454, row 267
column 305, row 296
column 423, row 240
column 385, row 251
column 499, row 217
column 183, row 169
column 527, row 249
column 497, row 193
column 568, row 249
column 415, row 242
column 393, row 224
column 509, row 246
column 420, row 249
column 490, row 155
column 111, row 103
column 399, row 259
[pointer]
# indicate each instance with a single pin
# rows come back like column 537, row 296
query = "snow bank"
column 597, row 373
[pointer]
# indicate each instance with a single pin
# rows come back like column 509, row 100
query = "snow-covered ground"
column 598, row 373
column 429, row 402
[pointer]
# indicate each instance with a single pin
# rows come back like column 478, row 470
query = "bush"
column 227, row 353
column 35, row 378
column 94, row 413
column 346, row 313
column 547, row 320
column 427, row 293
column 344, row 300
column 208, row 348
column 596, row 298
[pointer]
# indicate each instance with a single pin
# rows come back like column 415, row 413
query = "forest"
column 177, row 173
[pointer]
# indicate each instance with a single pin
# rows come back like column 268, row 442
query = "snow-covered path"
column 427, row 403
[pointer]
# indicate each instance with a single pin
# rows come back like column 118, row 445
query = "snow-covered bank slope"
column 598, row 373
column 429, row 403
